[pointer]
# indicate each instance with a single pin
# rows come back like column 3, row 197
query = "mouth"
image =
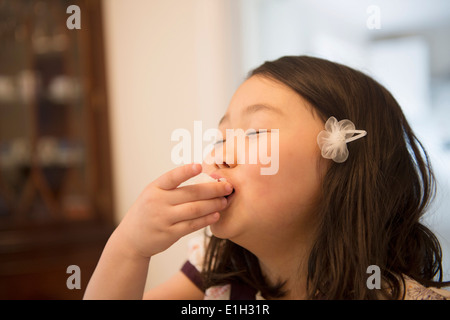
column 220, row 178
column 228, row 197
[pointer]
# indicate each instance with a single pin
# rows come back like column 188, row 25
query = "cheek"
column 297, row 182
column 292, row 190
column 300, row 167
column 258, row 194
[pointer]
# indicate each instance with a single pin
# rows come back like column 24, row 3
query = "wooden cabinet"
column 56, row 204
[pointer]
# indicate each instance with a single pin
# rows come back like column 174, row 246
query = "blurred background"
column 86, row 115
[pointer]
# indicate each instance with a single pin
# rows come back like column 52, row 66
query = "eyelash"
column 247, row 134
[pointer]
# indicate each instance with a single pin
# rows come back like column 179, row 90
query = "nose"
column 225, row 165
column 222, row 158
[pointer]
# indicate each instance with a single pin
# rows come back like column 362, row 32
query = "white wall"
column 168, row 64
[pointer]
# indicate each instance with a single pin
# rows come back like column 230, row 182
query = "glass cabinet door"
column 50, row 166
column 55, row 174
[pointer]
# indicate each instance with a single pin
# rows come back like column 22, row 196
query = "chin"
column 229, row 229
column 226, row 227
column 219, row 230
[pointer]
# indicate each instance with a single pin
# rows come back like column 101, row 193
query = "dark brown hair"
column 371, row 204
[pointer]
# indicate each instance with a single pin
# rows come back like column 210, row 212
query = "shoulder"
column 193, row 268
column 416, row 291
column 197, row 250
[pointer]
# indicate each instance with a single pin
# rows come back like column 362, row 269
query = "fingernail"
column 197, row 167
column 229, row 187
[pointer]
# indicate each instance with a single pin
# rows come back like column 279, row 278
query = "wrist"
column 122, row 245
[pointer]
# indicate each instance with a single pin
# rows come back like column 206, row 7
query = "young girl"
column 348, row 195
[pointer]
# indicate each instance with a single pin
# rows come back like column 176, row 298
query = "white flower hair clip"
column 333, row 140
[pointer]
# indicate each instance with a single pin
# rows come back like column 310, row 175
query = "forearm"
column 119, row 274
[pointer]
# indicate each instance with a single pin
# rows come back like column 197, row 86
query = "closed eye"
column 252, row 132
column 248, row 133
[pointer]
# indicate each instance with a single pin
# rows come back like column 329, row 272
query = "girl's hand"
column 164, row 212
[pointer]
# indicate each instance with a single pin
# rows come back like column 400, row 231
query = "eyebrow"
column 253, row 109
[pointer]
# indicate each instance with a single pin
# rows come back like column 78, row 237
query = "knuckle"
column 194, row 225
column 151, row 193
column 196, row 192
column 187, row 169
column 220, row 187
column 173, row 232
column 193, row 209
column 150, row 198
column 171, row 179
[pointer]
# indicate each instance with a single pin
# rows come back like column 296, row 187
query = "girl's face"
column 278, row 206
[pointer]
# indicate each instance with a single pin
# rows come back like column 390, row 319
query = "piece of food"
column 201, row 178
column 204, row 178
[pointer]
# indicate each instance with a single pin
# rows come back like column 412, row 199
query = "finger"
column 201, row 191
column 173, row 178
column 185, row 227
column 197, row 209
